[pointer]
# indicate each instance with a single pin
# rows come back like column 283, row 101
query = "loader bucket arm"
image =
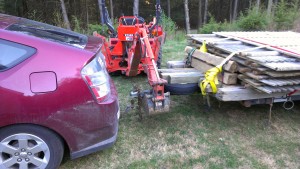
column 158, row 101
column 107, row 20
column 158, row 15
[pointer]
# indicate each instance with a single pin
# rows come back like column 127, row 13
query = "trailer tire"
column 182, row 89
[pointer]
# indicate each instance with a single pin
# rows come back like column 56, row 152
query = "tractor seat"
column 132, row 21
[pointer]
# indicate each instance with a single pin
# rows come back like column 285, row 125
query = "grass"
column 227, row 135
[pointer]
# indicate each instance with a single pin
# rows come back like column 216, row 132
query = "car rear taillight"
column 97, row 78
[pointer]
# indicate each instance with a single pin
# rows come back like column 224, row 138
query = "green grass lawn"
column 227, row 135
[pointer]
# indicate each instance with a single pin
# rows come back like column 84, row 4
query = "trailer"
column 249, row 67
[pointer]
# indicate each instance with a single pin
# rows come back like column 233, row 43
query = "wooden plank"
column 179, row 70
column 229, row 78
column 200, row 65
column 189, row 77
column 282, row 74
column 225, row 77
column 175, row 64
column 247, row 80
column 260, row 53
column 231, row 66
column 239, row 93
column 256, row 77
column 243, row 69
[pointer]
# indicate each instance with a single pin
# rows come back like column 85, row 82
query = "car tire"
column 31, row 146
column 182, row 89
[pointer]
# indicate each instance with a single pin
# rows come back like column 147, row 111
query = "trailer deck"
column 265, row 65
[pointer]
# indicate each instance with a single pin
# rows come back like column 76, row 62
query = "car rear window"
column 49, row 32
column 13, row 53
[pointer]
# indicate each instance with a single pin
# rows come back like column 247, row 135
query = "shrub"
column 101, row 29
column 168, row 25
column 77, row 25
column 254, row 20
column 211, row 26
column 285, row 15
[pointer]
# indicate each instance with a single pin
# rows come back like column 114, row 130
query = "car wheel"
column 28, row 146
column 182, row 89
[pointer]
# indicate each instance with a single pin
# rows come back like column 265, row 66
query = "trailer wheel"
column 159, row 58
column 182, row 89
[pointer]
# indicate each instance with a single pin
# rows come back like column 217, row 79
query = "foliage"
column 168, row 25
column 78, row 25
column 101, row 29
column 254, row 20
column 57, row 19
column 33, row 15
column 285, row 15
column 214, row 26
column 1, row 6
column 211, row 26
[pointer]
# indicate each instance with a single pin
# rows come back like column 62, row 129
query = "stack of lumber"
column 268, row 62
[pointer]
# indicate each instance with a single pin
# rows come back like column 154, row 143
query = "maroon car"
column 55, row 95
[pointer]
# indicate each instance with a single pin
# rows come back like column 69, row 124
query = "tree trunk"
column 169, row 8
column 187, row 16
column 111, row 10
column 65, row 15
column 87, row 14
column 2, row 6
column 230, row 12
column 25, row 8
column 269, row 10
column 199, row 14
column 101, row 11
column 235, row 10
column 258, row 4
column 136, row 8
column 205, row 12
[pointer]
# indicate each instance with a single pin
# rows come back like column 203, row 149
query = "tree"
column 111, row 9
column 169, row 8
column 258, row 4
column 65, row 15
column 187, row 16
column 136, row 7
column 101, row 11
column 205, row 12
column 269, row 9
column 2, row 6
column 199, row 14
column 235, row 10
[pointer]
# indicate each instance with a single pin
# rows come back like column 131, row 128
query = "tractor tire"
column 159, row 58
column 182, row 89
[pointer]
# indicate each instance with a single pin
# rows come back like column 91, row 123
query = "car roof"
column 7, row 20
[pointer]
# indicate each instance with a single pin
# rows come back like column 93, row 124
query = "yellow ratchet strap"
column 211, row 78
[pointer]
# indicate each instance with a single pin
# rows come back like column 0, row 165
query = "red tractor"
column 135, row 47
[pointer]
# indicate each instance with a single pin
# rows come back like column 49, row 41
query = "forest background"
column 204, row 16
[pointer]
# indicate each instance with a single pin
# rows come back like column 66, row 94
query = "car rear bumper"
column 98, row 146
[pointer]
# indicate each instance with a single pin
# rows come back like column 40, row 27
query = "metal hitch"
column 153, row 107
column 149, row 105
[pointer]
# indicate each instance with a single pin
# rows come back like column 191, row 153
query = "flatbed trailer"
column 263, row 68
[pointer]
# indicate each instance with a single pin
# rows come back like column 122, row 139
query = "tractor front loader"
column 135, row 47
